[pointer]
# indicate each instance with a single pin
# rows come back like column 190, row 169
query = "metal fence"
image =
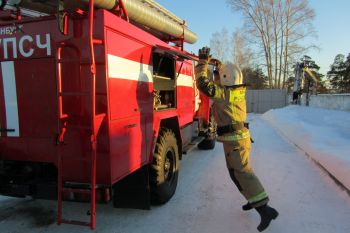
column 330, row 101
column 260, row 101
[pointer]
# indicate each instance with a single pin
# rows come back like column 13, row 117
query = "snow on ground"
column 206, row 200
column 323, row 134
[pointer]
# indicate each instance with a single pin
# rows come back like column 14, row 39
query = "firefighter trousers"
column 237, row 154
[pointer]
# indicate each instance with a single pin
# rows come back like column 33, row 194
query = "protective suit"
column 229, row 110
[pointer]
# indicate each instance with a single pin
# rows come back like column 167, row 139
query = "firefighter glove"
column 204, row 54
column 202, row 67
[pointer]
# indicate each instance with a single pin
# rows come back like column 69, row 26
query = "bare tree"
column 298, row 18
column 242, row 55
column 219, row 45
column 276, row 27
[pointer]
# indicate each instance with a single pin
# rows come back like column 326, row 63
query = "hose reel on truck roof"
column 147, row 14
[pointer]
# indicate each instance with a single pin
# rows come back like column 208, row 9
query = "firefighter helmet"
column 231, row 75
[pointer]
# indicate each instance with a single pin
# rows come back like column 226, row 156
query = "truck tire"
column 164, row 168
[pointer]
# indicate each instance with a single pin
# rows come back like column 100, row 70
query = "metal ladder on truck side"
column 96, row 121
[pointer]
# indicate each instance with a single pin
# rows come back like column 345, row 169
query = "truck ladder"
column 96, row 121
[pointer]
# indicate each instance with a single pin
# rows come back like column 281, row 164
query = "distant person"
column 229, row 110
column 295, row 97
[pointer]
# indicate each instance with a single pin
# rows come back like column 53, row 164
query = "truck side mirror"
column 62, row 18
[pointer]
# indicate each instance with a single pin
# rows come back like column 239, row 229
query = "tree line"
column 272, row 41
column 271, row 38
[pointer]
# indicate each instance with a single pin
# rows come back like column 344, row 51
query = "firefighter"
column 229, row 110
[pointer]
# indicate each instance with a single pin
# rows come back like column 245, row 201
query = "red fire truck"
column 97, row 100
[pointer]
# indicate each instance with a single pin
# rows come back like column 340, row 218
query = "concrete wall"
column 330, row 101
column 260, row 101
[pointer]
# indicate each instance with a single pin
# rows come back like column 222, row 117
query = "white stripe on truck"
column 10, row 93
column 122, row 68
column 184, row 80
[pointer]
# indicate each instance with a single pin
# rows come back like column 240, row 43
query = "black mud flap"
column 133, row 191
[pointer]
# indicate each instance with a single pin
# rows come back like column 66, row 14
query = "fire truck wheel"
column 165, row 167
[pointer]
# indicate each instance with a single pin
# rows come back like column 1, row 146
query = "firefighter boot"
column 247, row 206
column 267, row 214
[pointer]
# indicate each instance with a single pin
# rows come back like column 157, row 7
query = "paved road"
column 206, row 200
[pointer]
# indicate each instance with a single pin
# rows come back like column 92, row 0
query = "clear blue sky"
column 208, row 16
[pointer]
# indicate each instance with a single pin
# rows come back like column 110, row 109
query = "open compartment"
column 163, row 81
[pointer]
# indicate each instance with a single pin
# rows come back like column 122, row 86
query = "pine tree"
column 255, row 78
column 339, row 74
column 309, row 83
column 346, row 80
column 318, row 86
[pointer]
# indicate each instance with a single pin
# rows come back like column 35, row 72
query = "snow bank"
column 323, row 134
